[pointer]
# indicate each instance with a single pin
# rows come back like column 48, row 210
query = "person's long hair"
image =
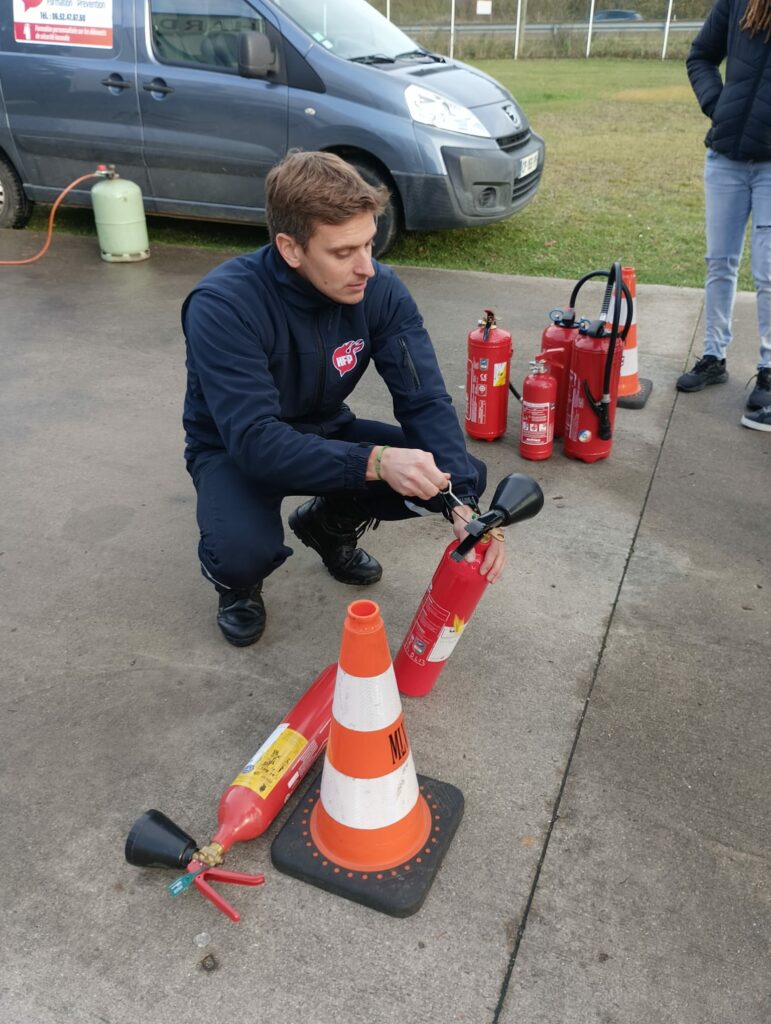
column 757, row 18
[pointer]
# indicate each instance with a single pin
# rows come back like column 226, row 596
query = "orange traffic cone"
column 633, row 390
column 373, row 831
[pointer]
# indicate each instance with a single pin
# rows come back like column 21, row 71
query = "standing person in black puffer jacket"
column 737, row 184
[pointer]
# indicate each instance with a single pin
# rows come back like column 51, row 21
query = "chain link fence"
column 477, row 29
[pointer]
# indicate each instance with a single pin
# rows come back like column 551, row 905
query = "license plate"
column 528, row 164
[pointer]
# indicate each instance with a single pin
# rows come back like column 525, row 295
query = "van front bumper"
column 480, row 186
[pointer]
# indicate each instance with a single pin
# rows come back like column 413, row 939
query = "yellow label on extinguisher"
column 263, row 772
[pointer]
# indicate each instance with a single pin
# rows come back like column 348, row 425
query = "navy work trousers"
column 242, row 534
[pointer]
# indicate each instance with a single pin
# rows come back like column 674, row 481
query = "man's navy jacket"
column 740, row 110
column 271, row 361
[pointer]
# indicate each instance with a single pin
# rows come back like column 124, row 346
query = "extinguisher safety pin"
column 454, row 497
column 449, row 493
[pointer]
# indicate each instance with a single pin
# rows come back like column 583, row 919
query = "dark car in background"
column 616, row 15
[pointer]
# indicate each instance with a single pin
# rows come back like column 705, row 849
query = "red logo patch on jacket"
column 344, row 357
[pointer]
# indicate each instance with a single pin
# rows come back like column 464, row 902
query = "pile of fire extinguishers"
column 573, row 385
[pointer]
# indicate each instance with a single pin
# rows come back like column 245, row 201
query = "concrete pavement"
column 606, row 715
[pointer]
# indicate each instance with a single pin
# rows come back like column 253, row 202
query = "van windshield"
column 352, row 29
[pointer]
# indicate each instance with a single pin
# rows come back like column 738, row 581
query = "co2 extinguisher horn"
column 517, row 497
column 598, row 329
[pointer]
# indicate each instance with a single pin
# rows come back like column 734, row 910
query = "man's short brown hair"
column 308, row 189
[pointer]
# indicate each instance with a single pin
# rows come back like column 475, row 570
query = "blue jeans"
column 734, row 190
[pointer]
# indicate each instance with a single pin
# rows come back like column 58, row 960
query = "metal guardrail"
column 575, row 26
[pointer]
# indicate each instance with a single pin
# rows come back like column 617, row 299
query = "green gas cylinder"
column 120, row 219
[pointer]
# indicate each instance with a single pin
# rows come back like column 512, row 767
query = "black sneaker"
column 332, row 527
column 241, row 615
column 760, row 420
column 760, row 396
column 708, row 370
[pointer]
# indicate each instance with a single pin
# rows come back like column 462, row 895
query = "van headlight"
column 428, row 107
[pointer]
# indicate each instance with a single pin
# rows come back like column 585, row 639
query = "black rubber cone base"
column 398, row 891
column 639, row 398
column 155, row 841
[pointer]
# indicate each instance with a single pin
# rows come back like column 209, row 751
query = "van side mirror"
column 256, row 57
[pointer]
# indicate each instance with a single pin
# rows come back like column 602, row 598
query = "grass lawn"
column 624, row 156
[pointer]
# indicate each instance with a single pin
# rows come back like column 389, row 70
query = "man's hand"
column 494, row 557
column 409, row 471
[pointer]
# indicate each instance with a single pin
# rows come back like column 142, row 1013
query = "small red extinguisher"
column 595, row 368
column 487, row 379
column 456, row 588
column 539, row 402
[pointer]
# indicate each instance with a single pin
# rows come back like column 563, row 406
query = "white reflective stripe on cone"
column 629, row 362
column 369, row 803
column 366, row 704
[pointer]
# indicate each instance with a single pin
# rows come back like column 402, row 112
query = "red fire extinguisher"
column 595, row 367
column 456, row 588
column 557, row 343
column 269, row 778
column 487, row 379
column 539, row 399
column 248, row 805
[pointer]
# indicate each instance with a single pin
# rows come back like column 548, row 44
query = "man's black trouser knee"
column 242, row 534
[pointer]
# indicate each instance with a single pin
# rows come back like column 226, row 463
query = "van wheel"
column 389, row 225
column 15, row 208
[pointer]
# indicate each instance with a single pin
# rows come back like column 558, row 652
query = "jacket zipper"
column 407, row 361
column 322, row 368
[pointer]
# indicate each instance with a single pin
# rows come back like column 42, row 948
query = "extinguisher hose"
column 54, row 208
column 581, row 282
column 614, row 278
column 602, row 406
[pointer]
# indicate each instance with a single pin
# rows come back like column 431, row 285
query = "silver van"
column 195, row 100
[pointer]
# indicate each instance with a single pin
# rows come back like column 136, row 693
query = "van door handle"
column 157, row 85
column 115, row 81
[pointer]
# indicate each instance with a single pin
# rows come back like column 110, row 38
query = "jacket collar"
column 301, row 293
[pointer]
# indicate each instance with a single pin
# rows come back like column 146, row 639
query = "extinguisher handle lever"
column 220, row 875
column 477, row 529
column 593, row 328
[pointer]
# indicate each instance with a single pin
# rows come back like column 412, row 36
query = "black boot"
column 332, row 526
column 241, row 615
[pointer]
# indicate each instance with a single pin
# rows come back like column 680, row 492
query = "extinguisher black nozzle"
column 517, row 497
column 155, row 841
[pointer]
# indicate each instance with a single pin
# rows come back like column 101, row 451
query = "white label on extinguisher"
column 499, row 375
column 537, row 423
column 445, row 644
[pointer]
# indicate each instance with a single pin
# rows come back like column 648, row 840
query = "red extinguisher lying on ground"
column 595, row 367
column 456, row 588
column 248, row 805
